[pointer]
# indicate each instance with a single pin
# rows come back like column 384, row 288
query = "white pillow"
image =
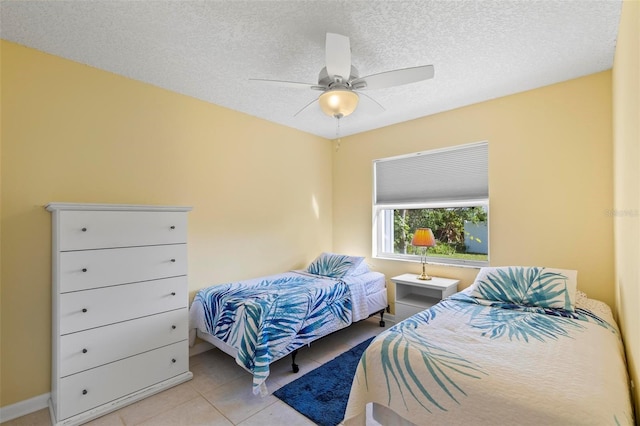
column 363, row 268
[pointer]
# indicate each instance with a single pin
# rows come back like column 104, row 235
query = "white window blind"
column 458, row 173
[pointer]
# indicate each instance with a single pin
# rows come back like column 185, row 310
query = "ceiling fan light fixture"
column 339, row 102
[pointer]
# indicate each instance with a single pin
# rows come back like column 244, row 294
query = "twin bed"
column 261, row 320
column 520, row 346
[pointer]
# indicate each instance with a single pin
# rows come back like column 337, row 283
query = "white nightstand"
column 414, row 295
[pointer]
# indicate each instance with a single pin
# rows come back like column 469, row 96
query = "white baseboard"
column 199, row 348
column 23, row 408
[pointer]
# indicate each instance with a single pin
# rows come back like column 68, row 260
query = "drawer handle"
column 173, row 360
column 84, row 310
column 173, row 327
column 173, row 260
column 84, row 391
column 172, row 227
column 84, row 229
column 84, row 351
column 84, row 269
column 173, row 293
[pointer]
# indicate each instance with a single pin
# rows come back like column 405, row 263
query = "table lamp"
column 423, row 238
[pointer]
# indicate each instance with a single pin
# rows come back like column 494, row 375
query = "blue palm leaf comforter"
column 267, row 318
column 463, row 362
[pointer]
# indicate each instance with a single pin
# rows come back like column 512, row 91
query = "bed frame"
column 233, row 352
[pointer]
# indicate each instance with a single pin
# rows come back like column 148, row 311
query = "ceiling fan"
column 339, row 80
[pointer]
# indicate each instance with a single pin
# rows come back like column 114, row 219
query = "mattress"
column 374, row 282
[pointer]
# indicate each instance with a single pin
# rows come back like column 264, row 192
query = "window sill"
column 438, row 262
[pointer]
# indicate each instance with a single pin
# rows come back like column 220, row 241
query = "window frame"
column 381, row 221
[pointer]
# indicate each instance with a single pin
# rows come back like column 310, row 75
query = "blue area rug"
column 322, row 394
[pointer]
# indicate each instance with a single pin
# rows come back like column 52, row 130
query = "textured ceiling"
column 210, row 49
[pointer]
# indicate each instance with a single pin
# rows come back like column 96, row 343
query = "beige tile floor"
column 220, row 391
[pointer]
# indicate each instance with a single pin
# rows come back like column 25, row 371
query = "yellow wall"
column 626, row 132
column 550, row 180
column 77, row 134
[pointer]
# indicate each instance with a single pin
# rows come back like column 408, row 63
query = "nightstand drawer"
column 405, row 311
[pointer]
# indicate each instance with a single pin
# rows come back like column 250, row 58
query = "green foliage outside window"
column 447, row 225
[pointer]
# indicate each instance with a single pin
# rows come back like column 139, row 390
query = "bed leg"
column 382, row 318
column 294, row 366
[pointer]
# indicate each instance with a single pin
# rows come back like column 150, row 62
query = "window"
column 445, row 190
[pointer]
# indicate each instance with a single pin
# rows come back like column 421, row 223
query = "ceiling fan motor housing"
column 326, row 80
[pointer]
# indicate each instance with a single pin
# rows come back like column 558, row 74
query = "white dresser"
column 120, row 306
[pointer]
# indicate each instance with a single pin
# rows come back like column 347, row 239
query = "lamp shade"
column 338, row 102
column 423, row 238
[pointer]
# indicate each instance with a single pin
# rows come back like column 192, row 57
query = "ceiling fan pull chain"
column 337, row 133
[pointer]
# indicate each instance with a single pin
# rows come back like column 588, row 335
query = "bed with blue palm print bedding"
column 520, row 346
column 261, row 320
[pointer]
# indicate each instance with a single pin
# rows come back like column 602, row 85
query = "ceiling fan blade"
column 292, row 84
column 393, row 78
column 372, row 106
column 338, row 56
column 305, row 107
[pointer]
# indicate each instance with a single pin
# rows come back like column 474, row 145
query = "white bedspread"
column 465, row 363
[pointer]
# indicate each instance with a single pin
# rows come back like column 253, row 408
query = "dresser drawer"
column 83, row 391
column 79, row 230
column 87, row 269
column 82, row 310
column 93, row 348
